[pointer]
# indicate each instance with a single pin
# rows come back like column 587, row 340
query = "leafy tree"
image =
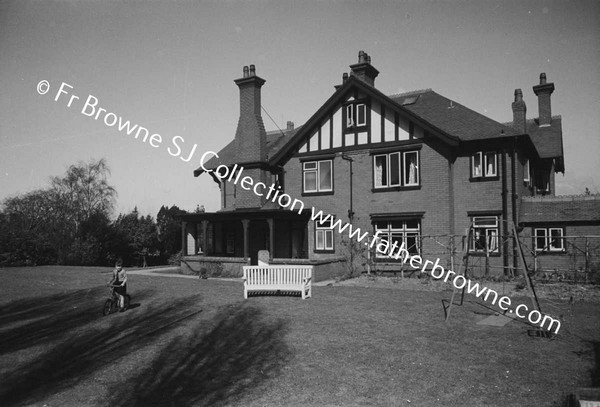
column 65, row 223
column 169, row 229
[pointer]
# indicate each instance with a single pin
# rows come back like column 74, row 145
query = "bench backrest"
column 277, row 274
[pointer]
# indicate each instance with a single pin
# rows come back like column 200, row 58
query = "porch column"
column 204, row 237
column 246, row 225
column 271, row 237
column 197, row 238
column 183, row 238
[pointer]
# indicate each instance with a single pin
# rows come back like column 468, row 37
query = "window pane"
column 395, row 169
column 526, row 171
column 361, row 115
column 310, row 181
column 481, row 221
column 490, row 164
column 329, row 239
column 411, row 170
column 540, row 239
column 319, row 244
column 325, row 176
column 556, row 241
column 479, row 238
column 477, row 165
column 412, row 224
column 412, row 243
column 349, row 116
column 380, row 171
column 312, row 165
column 397, row 224
column 381, row 225
column 492, row 240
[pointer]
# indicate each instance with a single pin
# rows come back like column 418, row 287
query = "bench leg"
column 245, row 293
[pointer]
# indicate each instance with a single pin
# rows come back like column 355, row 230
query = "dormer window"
column 484, row 165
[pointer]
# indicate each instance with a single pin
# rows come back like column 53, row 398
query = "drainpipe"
column 515, row 196
column 351, row 210
column 504, row 212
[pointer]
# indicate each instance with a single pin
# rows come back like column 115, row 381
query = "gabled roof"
column 548, row 139
column 560, row 209
column 440, row 116
column 451, row 117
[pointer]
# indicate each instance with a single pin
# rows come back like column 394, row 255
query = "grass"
column 192, row 342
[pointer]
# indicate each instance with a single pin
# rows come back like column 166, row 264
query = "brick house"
column 416, row 167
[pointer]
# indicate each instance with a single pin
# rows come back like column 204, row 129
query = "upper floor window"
column 526, row 172
column 485, row 234
column 399, row 232
column 356, row 115
column 484, row 165
column 396, row 169
column 324, row 235
column 317, row 176
column 549, row 240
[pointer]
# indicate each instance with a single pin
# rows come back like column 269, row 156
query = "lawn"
column 192, row 342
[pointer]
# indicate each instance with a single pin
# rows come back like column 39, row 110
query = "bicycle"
column 112, row 303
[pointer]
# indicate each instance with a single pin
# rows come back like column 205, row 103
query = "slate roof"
column 563, row 209
column 227, row 155
column 451, row 117
column 547, row 140
column 446, row 117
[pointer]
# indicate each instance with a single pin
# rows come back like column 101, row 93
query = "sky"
column 169, row 67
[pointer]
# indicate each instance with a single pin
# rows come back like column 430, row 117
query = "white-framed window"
column 549, row 239
column 396, row 169
column 399, row 231
column 361, row 114
column 485, row 234
column 350, row 116
column 324, row 235
column 526, row 172
column 317, row 176
column 356, row 115
column 484, row 164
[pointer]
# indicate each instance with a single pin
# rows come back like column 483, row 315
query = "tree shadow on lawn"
column 239, row 350
column 38, row 321
column 63, row 365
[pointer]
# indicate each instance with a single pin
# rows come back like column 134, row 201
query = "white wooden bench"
column 278, row 278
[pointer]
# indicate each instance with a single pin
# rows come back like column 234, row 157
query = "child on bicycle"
column 119, row 280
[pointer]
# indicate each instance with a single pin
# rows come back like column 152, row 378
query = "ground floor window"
column 485, row 234
column 548, row 239
column 324, row 236
column 399, row 231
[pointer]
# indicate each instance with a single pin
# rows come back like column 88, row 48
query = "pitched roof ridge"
column 410, row 93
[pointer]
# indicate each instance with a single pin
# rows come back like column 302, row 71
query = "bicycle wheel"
column 107, row 307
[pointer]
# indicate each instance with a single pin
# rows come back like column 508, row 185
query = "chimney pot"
column 519, row 112
column 344, row 77
column 252, row 70
column 361, row 57
column 518, row 95
column 245, row 71
column 542, row 78
column 290, row 125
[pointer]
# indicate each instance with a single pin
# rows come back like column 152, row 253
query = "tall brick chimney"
column 543, row 92
column 519, row 112
column 363, row 70
column 251, row 138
